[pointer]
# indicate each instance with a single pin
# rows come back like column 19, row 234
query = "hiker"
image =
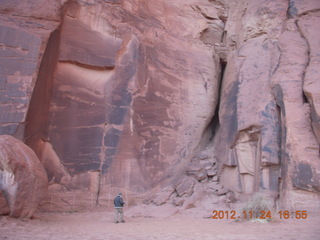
column 118, row 205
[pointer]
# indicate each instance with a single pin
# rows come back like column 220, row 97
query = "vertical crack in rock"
column 119, row 102
column 103, row 156
column 292, row 10
column 37, row 133
column 310, row 75
column 215, row 122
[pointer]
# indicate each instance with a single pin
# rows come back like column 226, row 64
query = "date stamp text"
column 282, row 214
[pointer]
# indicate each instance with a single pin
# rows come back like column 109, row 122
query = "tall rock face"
column 268, row 117
column 124, row 94
column 117, row 88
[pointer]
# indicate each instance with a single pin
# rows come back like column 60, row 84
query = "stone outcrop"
column 23, row 180
column 197, row 97
column 264, row 123
column 116, row 104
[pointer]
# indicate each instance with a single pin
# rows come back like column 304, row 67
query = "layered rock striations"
column 200, row 96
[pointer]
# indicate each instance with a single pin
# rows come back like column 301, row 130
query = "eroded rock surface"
column 196, row 97
column 23, row 180
column 265, row 109
column 24, row 32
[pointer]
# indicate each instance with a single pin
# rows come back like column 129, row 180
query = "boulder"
column 222, row 191
column 197, row 171
column 164, row 195
column 185, row 187
column 177, row 201
column 207, row 164
column 215, row 179
column 201, row 176
column 23, row 180
column 212, row 172
column 214, row 186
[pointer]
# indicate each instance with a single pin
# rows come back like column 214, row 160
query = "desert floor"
column 98, row 224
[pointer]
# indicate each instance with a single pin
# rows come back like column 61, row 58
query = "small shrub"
column 258, row 206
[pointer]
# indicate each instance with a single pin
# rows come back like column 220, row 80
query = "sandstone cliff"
column 191, row 94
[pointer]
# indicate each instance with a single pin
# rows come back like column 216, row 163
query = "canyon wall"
column 136, row 95
column 268, row 117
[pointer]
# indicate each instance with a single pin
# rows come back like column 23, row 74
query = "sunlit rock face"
column 125, row 94
column 133, row 89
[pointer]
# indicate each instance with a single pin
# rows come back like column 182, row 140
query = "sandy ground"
column 98, row 224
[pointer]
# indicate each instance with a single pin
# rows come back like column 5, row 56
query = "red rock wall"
column 267, row 117
column 23, row 40
column 125, row 93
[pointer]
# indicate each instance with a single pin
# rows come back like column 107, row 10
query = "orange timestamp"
column 282, row 214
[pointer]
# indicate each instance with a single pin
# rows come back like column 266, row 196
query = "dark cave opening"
column 215, row 122
column 304, row 97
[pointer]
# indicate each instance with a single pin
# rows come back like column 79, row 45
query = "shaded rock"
column 55, row 170
column 206, row 164
column 200, row 156
column 19, row 60
column 213, row 34
column 147, row 201
column 82, row 45
column 189, row 206
column 23, row 180
column 299, row 169
column 222, row 191
column 4, row 209
column 212, row 172
column 311, row 85
column 102, row 91
column 31, row 8
column 249, row 119
column 178, row 201
column 215, row 179
column 164, row 195
column 199, row 194
column 217, row 188
column 214, row 186
column 193, row 167
column 197, row 171
column 303, row 7
column 201, row 176
column 230, row 197
column 185, row 187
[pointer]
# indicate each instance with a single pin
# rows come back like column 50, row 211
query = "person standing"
column 118, row 205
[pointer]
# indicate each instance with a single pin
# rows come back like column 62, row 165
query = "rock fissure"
column 309, row 12
column 91, row 67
